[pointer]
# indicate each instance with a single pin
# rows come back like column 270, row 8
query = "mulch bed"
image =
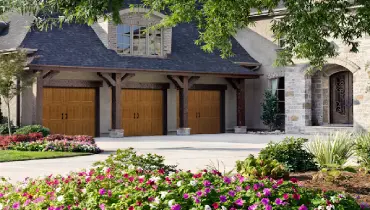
column 356, row 184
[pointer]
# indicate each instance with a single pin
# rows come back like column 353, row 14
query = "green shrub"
column 259, row 168
column 129, row 157
column 362, row 150
column 291, row 153
column 33, row 129
column 270, row 110
column 333, row 150
column 4, row 129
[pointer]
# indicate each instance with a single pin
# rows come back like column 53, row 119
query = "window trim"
column 147, row 39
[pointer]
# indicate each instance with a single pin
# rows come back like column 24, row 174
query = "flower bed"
column 62, row 143
column 114, row 184
column 56, row 145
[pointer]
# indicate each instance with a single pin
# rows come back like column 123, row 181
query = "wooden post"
column 240, row 101
column 184, row 102
column 39, row 98
column 116, row 102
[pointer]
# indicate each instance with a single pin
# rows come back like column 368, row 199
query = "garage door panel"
column 147, row 108
column 69, row 111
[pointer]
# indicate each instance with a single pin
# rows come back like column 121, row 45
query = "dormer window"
column 135, row 40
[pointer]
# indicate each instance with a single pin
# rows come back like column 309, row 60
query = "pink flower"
column 102, row 206
column 185, row 196
column 16, row 205
column 207, row 183
column 102, row 191
column 267, row 192
column 265, row 201
column 303, row 207
column 176, row 207
column 223, row 199
column 286, row 196
column 253, row 207
column 227, row 180
column 239, row 202
column 296, row 196
column 232, row 193
column 294, row 180
column 27, row 202
column 268, row 207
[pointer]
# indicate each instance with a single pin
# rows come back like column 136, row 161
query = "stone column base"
column 240, row 129
column 116, row 133
column 183, row 131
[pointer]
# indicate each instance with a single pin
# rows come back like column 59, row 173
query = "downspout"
column 18, row 119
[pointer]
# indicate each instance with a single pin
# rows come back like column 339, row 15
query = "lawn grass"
column 13, row 155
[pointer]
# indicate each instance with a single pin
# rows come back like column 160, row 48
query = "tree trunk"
column 9, row 126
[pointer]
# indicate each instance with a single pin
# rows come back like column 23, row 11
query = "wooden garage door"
column 69, row 111
column 142, row 112
column 204, row 111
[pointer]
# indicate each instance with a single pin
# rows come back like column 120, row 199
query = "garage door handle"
column 138, row 115
column 62, row 116
column 66, row 115
column 134, row 115
column 198, row 114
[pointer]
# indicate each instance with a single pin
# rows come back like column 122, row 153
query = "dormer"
column 130, row 38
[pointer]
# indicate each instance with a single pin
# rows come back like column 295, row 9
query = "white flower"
column 60, row 198
column 155, row 179
column 179, row 183
column 333, row 199
column 58, row 189
column 330, row 207
column 320, row 208
column 223, row 208
column 163, row 194
column 1, row 206
column 139, row 168
column 207, row 207
column 83, row 191
column 170, row 203
column 193, row 183
column 105, row 169
column 152, row 206
column 131, row 167
column 157, row 200
column 171, row 173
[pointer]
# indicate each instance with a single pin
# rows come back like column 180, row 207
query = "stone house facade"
column 336, row 98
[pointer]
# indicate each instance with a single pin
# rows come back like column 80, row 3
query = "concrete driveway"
column 188, row 152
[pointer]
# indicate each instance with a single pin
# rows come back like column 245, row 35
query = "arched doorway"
column 341, row 98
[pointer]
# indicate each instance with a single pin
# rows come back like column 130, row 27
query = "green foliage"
column 12, row 155
column 129, row 158
column 290, row 152
column 362, row 150
column 5, row 130
column 33, row 129
column 270, row 110
column 13, row 78
column 306, row 25
column 333, row 150
column 259, row 168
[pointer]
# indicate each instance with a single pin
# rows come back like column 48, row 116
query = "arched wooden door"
column 341, row 98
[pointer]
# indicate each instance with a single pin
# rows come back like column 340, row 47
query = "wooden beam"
column 176, row 81
column 107, row 78
column 116, row 102
column 39, row 97
column 49, row 74
column 240, row 103
column 235, row 83
column 127, row 76
column 184, row 92
column 192, row 80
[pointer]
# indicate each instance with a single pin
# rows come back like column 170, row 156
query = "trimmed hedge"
column 33, row 129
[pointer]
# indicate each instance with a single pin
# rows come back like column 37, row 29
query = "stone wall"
column 297, row 99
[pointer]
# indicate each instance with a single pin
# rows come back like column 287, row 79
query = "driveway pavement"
column 188, row 152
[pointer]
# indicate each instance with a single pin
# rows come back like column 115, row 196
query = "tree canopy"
column 306, row 26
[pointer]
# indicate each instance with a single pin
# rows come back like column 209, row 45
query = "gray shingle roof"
column 78, row 45
column 13, row 36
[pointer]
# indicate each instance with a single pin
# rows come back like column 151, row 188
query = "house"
column 93, row 80
column 104, row 78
